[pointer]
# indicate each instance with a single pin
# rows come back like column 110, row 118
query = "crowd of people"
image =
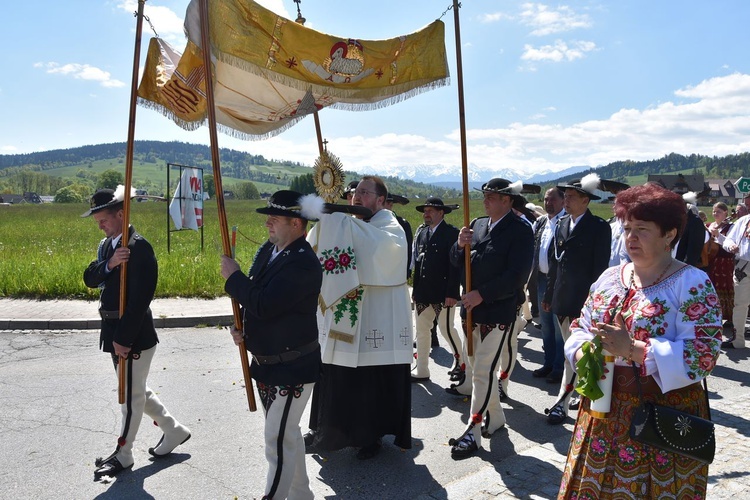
column 329, row 320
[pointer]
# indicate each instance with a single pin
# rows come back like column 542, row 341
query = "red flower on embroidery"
column 701, row 347
column 641, row 334
column 652, row 310
column 344, row 259
column 712, row 299
column 706, row 362
column 330, row 264
column 696, row 310
column 598, row 301
column 629, row 322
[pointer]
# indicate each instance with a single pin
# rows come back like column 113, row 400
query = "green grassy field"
column 45, row 248
column 154, row 175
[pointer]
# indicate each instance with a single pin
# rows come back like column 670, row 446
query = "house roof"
column 679, row 183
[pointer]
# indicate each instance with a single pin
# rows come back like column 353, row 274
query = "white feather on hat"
column 120, row 194
column 690, row 197
column 516, row 187
column 311, row 206
column 590, row 182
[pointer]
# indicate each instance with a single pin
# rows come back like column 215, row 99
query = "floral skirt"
column 721, row 272
column 603, row 462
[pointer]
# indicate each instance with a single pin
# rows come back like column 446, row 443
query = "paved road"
column 59, row 412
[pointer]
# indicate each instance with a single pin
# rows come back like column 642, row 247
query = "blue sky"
column 547, row 85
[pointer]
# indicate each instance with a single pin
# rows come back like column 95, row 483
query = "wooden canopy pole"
column 464, row 171
column 318, row 133
column 121, row 365
column 223, row 226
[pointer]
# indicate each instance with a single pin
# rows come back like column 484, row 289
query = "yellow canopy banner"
column 270, row 72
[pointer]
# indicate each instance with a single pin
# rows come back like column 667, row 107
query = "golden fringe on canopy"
column 270, row 72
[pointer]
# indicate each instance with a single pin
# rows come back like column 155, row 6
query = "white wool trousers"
column 739, row 313
column 139, row 399
column 568, row 370
column 509, row 351
column 426, row 316
column 285, row 446
column 485, row 400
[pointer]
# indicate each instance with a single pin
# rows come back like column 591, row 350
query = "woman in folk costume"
column 721, row 266
column 662, row 316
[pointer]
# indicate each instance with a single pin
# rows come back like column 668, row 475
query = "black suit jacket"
column 135, row 329
column 500, row 265
column 409, row 240
column 576, row 259
column 279, row 301
column 435, row 278
column 691, row 242
column 538, row 229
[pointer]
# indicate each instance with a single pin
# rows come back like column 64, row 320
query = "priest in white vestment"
column 366, row 332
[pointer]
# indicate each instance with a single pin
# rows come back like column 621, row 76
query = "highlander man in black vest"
column 279, row 300
column 501, row 247
column 131, row 336
column 579, row 253
column 436, row 283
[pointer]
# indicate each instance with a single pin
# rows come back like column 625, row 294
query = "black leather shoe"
column 464, row 449
column 575, row 403
column 110, row 468
column 309, row 438
column 370, row 451
column 556, row 415
column 153, row 453
column 101, row 461
column 454, row 392
column 415, row 380
column 541, row 372
column 554, row 377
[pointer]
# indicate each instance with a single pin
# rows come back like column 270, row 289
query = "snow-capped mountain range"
column 441, row 175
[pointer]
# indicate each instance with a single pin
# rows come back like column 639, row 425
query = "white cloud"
column 546, row 21
column 559, row 51
column 167, row 23
column 8, row 149
column 716, row 123
column 81, row 72
column 710, row 118
column 492, row 18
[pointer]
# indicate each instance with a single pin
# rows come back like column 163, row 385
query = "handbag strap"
column 637, row 377
column 637, row 374
column 705, row 391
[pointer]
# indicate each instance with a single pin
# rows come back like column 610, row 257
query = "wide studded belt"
column 286, row 356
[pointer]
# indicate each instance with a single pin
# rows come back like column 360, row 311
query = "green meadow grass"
column 44, row 249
